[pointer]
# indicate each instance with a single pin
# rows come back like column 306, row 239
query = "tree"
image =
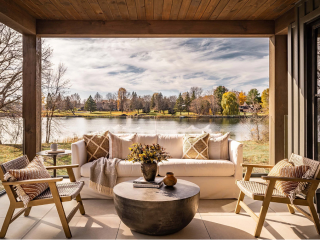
column 253, row 96
column 75, row 99
column 134, row 101
column 218, row 93
column 242, row 98
column 111, row 102
column 179, row 104
column 196, row 92
column 230, row 104
column 187, row 102
column 146, row 103
column 200, row 106
column 69, row 105
column 90, row 105
column 98, row 97
column 153, row 101
column 265, row 99
column 122, row 97
column 54, row 86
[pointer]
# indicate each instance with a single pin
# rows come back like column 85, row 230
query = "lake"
column 239, row 128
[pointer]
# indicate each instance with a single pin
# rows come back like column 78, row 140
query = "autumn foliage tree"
column 265, row 99
column 242, row 98
column 122, row 97
column 230, row 104
column 218, row 93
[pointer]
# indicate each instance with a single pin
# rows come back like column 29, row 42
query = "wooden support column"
column 32, row 94
column 278, row 97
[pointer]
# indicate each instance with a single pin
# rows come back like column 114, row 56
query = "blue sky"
column 169, row 65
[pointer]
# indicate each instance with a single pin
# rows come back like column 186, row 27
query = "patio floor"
column 215, row 219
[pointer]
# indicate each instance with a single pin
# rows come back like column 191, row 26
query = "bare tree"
column 196, row 91
column 111, row 101
column 54, row 86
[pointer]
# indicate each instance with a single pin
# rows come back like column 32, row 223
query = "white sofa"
column 216, row 178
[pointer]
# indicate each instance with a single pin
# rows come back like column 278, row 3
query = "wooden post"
column 278, row 97
column 31, row 101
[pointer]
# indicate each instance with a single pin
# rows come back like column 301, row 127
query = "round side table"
column 54, row 156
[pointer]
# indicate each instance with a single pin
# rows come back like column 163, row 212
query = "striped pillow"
column 289, row 188
column 275, row 171
column 34, row 170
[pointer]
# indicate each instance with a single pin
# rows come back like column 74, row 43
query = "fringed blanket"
column 103, row 175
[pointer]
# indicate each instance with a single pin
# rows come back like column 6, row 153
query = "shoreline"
column 159, row 116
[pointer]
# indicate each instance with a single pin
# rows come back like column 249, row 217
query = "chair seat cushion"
column 71, row 189
column 124, row 169
column 197, row 168
column 251, row 189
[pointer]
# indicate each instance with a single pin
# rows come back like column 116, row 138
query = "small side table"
column 54, row 156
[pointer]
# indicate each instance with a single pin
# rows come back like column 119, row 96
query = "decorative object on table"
column 196, row 147
column 56, row 193
column 149, row 156
column 142, row 183
column 170, row 180
column 54, row 157
column 270, row 192
column 157, row 212
column 54, row 146
column 97, row 145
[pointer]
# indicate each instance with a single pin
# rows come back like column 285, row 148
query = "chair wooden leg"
column 7, row 221
column 60, row 210
column 81, row 208
column 314, row 216
column 262, row 217
column 238, row 207
column 27, row 212
column 291, row 210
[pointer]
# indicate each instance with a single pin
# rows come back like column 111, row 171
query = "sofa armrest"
column 78, row 156
column 236, row 156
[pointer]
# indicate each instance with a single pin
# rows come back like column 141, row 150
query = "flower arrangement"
column 147, row 153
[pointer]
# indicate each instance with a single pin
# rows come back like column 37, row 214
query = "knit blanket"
column 103, row 175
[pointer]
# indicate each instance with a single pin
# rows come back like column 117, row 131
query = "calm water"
column 239, row 128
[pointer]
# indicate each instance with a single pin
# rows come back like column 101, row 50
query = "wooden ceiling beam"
column 282, row 23
column 61, row 28
column 17, row 18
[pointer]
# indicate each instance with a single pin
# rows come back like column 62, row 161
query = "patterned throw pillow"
column 196, row 147
column 289, row 187
column 34, row 170
column 97, row 146
column 275, row 171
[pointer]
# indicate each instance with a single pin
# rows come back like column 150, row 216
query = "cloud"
column 170, row 65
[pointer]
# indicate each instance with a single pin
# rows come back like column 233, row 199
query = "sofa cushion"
column 124, row 169
column 197, row 168
column 119, row 146
column 97, row 145
column 172, row 144
column 147, row 139
column 219, row 147
column 196, row 147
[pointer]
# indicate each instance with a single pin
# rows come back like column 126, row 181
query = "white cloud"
column 170, row 65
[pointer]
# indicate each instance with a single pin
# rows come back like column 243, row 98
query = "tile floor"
column 215, row 219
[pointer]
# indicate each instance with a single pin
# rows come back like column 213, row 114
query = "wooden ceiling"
column 156, row 9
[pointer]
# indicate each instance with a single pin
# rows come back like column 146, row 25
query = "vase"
column 54, row 146
column 149, row 171
column 170, row 180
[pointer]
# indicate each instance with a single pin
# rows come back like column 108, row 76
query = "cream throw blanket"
column 103, row 175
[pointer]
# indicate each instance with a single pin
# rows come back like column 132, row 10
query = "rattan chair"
column 56, row 193
column 267, row 193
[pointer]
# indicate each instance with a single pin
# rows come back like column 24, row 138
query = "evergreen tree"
column 179, row 104
column 218, row 93
column 187, row 102
column 90, row 105
column 153, row 102
column 193, row 96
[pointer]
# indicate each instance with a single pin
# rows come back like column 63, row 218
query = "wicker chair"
column 56, row 193
column 267, row 193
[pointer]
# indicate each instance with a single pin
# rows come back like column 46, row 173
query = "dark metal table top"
column 182, row 190
column 45, row 153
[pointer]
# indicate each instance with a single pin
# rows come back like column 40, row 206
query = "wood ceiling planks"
column 156, row 9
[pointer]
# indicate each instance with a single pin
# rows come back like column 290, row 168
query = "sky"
column 167, row 65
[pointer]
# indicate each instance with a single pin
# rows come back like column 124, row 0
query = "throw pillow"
column 275, row 171
column 196, row 147
column 289, row 188
column 172, row 144
column 34, row 170
column 219, row 147
column 97, row 146
column 119, row 146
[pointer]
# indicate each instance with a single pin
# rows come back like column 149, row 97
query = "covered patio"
column 292, row 107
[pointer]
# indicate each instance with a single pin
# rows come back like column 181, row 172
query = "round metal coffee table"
column 157, row 211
